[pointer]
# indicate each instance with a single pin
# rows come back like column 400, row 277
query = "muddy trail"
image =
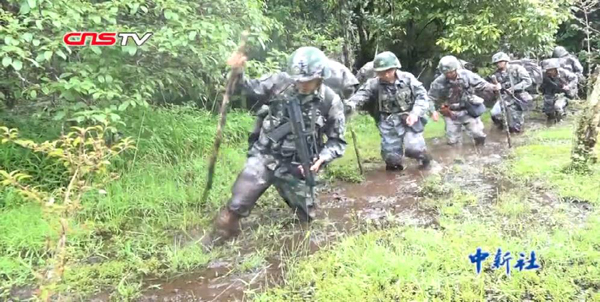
column 384, row 198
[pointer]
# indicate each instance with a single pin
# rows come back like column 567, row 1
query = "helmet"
column 559, row 52
column 385, row 61
column 499, row 57
column 448, row 64
column 550, row 64
column 308, row 63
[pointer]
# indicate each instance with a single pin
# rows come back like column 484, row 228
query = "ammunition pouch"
column 475, row 110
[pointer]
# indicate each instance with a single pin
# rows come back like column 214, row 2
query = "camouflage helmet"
column 448, row 64
column 559, row 52
column 550, row 64
column 385, row 61
column 499, row 57
column 308, row 63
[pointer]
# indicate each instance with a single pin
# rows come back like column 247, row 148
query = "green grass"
column 130, row 229
column 425, row 264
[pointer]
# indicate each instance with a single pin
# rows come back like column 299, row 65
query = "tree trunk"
column 586, row 134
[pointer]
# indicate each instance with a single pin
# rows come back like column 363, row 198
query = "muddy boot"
column 303, row 216
column 226, row 226
column 394, row 167
column 498, row 122
column 479, row 141
column 425, row 161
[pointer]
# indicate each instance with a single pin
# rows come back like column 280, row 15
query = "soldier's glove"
column 445, row 111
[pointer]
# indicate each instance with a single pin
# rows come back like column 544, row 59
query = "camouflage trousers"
column 259, row 173
column 515, row 119
column 555, row 104
column 398, row 140
column 474, row 127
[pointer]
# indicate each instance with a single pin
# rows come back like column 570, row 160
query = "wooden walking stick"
column 229, row 88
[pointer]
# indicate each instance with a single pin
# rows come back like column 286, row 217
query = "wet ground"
column 384, row 198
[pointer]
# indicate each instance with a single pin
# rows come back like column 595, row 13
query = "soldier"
column 463, row 64
column 341, row 80
column 365, row 73
column 514, row 80
column 569, row 62
column 558, row 85
column 273, row 158
column 456, row 88
column 401, row 102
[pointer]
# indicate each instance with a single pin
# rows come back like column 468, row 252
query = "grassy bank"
column 129, row 232
column 541, row 209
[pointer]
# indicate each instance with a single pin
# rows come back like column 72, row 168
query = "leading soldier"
column 273, row 158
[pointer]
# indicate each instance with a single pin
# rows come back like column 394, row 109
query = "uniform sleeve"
column 577, row 68
column 571, row 80
column 422, row 104
column 436, row 91
column 334, row 130
column 264, row 87
column 477, row 82
column 365, row 93
column 526, row 80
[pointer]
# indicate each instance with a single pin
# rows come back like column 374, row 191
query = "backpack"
column 533, row 68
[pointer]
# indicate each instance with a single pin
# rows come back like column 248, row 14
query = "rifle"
column 300, row 141
column 505, row 115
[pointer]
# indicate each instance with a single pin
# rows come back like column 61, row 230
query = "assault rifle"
column 301, row 136
column 505, row 114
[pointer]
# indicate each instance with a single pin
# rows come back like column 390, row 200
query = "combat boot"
column 479, row 141
column 394, row 167
column 425, row 161
column 498, row 122
column 226, row 226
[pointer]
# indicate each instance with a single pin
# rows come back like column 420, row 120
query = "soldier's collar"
column 318, row 94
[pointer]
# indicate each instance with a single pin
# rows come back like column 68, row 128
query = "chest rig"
column 394, row 98
column 277, row 124
column 458, row 92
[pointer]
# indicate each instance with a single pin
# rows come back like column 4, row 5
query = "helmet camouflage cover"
column 559, row 52
column 550, row 64
column 385, row 61
column 308, row 63
column 499, row 57
column 448, row 64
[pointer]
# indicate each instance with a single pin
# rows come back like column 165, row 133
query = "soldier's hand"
column 317, row 165
column 435, row 116
column 237, row 60
column 411, row 120
column 496, row 87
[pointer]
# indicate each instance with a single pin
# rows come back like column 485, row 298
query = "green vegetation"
column 407, row 263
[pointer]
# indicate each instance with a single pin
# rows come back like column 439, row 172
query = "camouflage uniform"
column 394, row 102
column 272, row 159
column 558, row 89
column 514, row 78
column 341, row 81
column 457, row 94
column 569, row 62
column 365, row 73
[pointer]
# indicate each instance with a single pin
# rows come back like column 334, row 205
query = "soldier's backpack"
column 535, row 71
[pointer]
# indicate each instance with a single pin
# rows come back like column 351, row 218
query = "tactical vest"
column 458, row 92
column 276, row 133
column 396, row 100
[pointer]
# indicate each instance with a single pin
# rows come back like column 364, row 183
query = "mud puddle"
column 384, row 196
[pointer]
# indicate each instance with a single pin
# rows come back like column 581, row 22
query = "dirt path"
column 385, row 197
